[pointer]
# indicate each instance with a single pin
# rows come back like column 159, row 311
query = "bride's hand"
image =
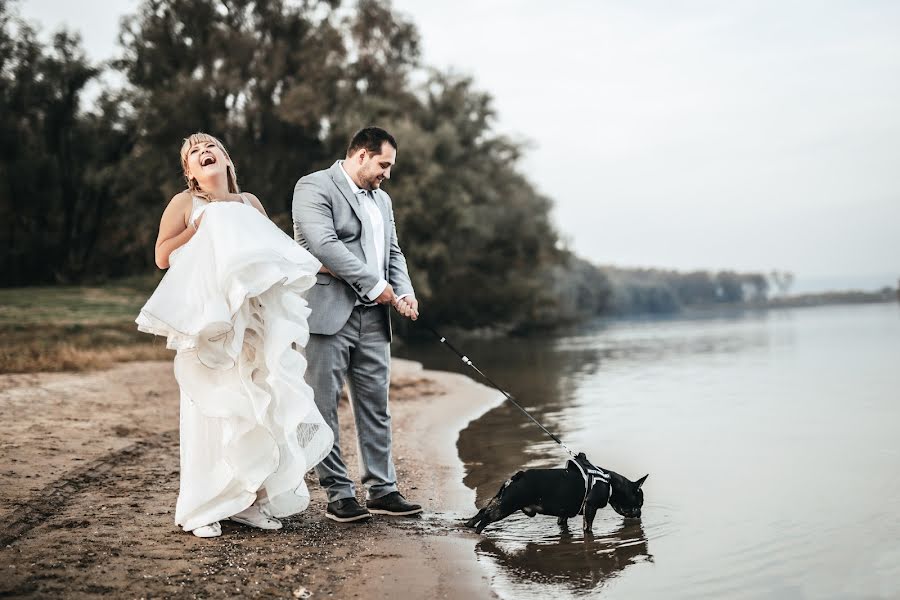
column 324, row 269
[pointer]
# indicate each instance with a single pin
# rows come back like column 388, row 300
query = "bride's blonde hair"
column 193, row 184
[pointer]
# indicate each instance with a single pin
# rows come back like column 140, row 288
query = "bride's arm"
column 174, row 231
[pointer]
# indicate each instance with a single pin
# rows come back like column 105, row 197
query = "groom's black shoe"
column 346, row 510
column 393, row 504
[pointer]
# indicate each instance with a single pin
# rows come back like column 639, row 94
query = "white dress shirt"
column 367, row 201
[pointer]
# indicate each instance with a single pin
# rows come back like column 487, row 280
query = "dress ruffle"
column 232, row 305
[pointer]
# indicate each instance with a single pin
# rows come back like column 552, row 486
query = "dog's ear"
column 640, row 482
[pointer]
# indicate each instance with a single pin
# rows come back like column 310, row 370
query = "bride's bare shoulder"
column 255, row 203
column 181, row 198
column 179, row 206
column 180, row 202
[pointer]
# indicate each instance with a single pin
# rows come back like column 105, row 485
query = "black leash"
column 466, row 360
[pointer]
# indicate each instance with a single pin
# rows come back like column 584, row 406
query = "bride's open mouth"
column 207, row 159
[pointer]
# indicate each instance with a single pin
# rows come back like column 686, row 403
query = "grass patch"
column 75, row 328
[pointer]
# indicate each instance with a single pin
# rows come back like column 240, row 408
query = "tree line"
column 660, row 291
column 284, row 84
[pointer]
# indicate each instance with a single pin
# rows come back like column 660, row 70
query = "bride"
column 232, row 306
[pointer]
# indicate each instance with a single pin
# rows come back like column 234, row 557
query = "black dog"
column 561, row 493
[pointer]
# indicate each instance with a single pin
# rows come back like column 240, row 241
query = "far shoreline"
column 84, row 327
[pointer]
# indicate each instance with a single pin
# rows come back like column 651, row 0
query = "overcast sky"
column 747, row 134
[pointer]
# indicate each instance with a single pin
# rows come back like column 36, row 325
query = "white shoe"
column 208, row 531
column 255, row 517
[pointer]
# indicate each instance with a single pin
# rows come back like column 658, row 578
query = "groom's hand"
column 408, row 307
column 387, row 296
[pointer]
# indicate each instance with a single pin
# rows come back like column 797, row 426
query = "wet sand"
column 89, row 478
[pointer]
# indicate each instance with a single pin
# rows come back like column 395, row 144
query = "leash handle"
column 508, row 396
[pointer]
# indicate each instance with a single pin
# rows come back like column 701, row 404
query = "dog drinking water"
column 563, row 493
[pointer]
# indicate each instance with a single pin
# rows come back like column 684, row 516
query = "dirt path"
column 89, row 479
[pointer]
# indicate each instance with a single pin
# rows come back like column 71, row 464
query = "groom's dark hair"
column 370, row 138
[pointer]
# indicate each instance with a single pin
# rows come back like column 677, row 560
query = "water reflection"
column 569, row 560
column 548, row 376
column 792, row 402
column 576, row 385
column 543, row 379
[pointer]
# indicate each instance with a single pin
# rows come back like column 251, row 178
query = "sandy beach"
column 90, row 476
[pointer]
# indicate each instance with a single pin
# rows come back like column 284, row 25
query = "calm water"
column 772, row 441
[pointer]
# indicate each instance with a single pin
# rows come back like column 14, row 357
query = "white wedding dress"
column 232, row 306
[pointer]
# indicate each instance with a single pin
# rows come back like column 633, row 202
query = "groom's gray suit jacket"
column 330, row 222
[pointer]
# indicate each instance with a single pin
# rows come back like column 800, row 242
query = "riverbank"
column 90, row 478
column 85, row 328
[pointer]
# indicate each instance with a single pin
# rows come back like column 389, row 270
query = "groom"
column 344, row 219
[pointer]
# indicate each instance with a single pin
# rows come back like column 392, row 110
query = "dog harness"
column 589, row 473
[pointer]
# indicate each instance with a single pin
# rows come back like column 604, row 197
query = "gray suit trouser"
column 359, row 353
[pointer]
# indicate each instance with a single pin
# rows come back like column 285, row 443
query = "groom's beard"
column 372, row 182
